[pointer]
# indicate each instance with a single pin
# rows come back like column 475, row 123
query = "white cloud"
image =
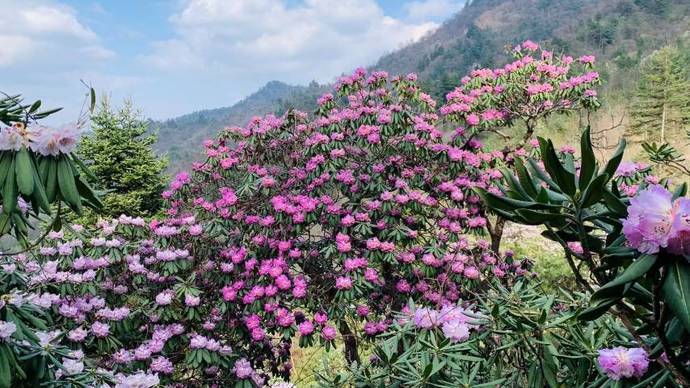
column 45, row 50
column 267, row 39
column 432, row 9
column 42, row 30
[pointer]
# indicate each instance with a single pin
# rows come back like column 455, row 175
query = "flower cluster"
column 620, row 362
column 537, row 84
column 293, row 225
column 454, row 321
column 43, row 140
column 656, row 221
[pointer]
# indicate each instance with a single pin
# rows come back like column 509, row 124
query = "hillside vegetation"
column 620, row 32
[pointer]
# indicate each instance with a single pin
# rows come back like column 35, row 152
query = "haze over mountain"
column 620, row 32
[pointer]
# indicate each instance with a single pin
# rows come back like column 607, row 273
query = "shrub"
column 633, row 244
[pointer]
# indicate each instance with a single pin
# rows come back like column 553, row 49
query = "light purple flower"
column 162, row 364
column 100, row 329
column 243, row 369
column 456, row 331
column 649, row 220
column 622, row 362
column 139, row 380
column 426, row 318
column 7, row 329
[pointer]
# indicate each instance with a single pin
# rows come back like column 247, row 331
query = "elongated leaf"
column 68, row 188
column 525, row 178
column 35, row 106
column 538, row 217
column 553, row 166
column 5, row 160
column 39, row 195
column 614, row 203
column 597, row 310
column 615, row 160
column 5, row 371
column 88, row 194
column 594, row 191
column 516, row 186
column 51, row 184
column 676, row 291
column 24, row 172
column 680, row 191
column 9, row 191
column 588, row 160
column 636, row 270
column 539, row 173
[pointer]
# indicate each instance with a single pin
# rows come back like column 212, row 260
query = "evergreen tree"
column 120, row 154
column 662, row 98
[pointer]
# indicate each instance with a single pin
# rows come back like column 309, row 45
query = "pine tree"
column 120, row 154
column 662, row 97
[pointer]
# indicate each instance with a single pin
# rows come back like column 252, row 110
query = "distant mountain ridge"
column 619, row 32
column 180, row 138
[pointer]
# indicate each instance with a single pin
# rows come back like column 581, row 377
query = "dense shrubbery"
column 325, row 228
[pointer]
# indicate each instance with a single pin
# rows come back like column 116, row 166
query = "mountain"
column 181, row 137
column 620, row 32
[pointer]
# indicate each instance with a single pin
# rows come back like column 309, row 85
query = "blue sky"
column 177, row 56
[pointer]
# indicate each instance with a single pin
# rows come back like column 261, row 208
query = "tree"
column 120, row 155
column 662, row 94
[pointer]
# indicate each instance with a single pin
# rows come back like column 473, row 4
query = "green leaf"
column 525, row 178
column 593, row 312
column 594, row 191
column 614, row 203
column 24, row 172
column 539, row 173
column 553, row 166
column 51, row 182
column 615, row 160
column 5, row 371
column 537, row 217
column 39, row 194
column 637, row 269
column 588, row 162
column 35, row 106
column 9, row 191
column 68, row 187
column 680, row 191
column 676, row 291
column 88, row 194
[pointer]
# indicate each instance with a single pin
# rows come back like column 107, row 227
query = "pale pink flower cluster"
column 655, row 221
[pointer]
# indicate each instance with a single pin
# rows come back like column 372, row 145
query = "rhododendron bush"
column 38, row 168
column 363, row 207
column 633, row 243
column 314, row 229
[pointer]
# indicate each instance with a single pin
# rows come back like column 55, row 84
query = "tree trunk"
column 496, row 234
column 350, row 341
column 663, row 123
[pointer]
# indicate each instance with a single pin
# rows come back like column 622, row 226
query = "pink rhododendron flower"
column 622, row 362
column 649, row 220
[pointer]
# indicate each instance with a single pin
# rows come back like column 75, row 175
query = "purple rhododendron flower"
column 622, row 362
column 655, row 221
column 649, row 220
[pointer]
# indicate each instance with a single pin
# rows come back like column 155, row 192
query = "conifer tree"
column 662, row 98
column 120, row 154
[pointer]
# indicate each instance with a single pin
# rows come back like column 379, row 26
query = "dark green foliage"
column 588, row 211
column 120, row 155
column 527, row 339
